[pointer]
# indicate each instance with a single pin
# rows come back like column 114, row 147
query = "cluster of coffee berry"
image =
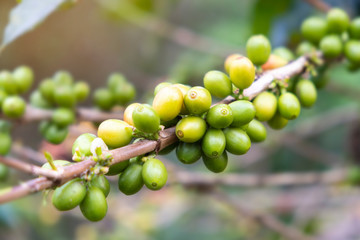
column 205, row 130
column 62, row 93
column 334, row 35
column 12, row 105
column 89, row 193
column 119, row 91
column 11, row 85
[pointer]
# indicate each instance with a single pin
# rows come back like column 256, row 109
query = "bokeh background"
column 153, row 40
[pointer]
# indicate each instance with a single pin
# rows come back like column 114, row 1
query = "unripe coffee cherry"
column 220, row 116
column 81, row 90
column 306, row 92
column 6, row 142
column 161, row 86
column 278, row 121
column 65, row 97
column 146, row 119
column 8, row 83
column 115, row 133
column 57, row 163
column 94, row 206
column 23, row 77
column 83, row 144
column 331, row 46
column 213, row 143
column 337, row 20
column 190, row 129
column 258, row 49
column 168, row 102
column 217, row 164
column 265, row 105
column 101, row 182
column 256, row 131
column 244, row 127
column 243, row 112
column 116, row 80
column 63, row 78
column 242, row 73
column 154, row 174
column 289, row 106
column 229, row 60
column 131, row 180
column 218, row 84
column 55, row 134
column 63, row 117
column 197, row 100
column 47, row 89
column 128, row 113
column 305, row 48
column 237, row 141
column 43, row 126
column 118, row 168
column 314, row 29
column 188, row 153
column 69, row 195
column 124, row 94
column 104, row 99
column 354, row 29
column 37, row 100
column 352, row 51
column 13, row 106
column 184, row 89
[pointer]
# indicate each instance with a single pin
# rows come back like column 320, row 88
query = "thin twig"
column 30, row 168
column 269, row 221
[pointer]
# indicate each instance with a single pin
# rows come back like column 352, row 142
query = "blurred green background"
column 152, row 40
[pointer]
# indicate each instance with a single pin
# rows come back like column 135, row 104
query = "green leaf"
column 26, row 16
column 265, row 12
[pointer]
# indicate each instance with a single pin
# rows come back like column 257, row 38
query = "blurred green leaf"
column 26, row 16
column 265, row 12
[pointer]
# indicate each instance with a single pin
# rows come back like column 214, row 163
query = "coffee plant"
column 262, row 88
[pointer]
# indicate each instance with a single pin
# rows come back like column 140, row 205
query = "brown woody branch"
column 167, row 136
